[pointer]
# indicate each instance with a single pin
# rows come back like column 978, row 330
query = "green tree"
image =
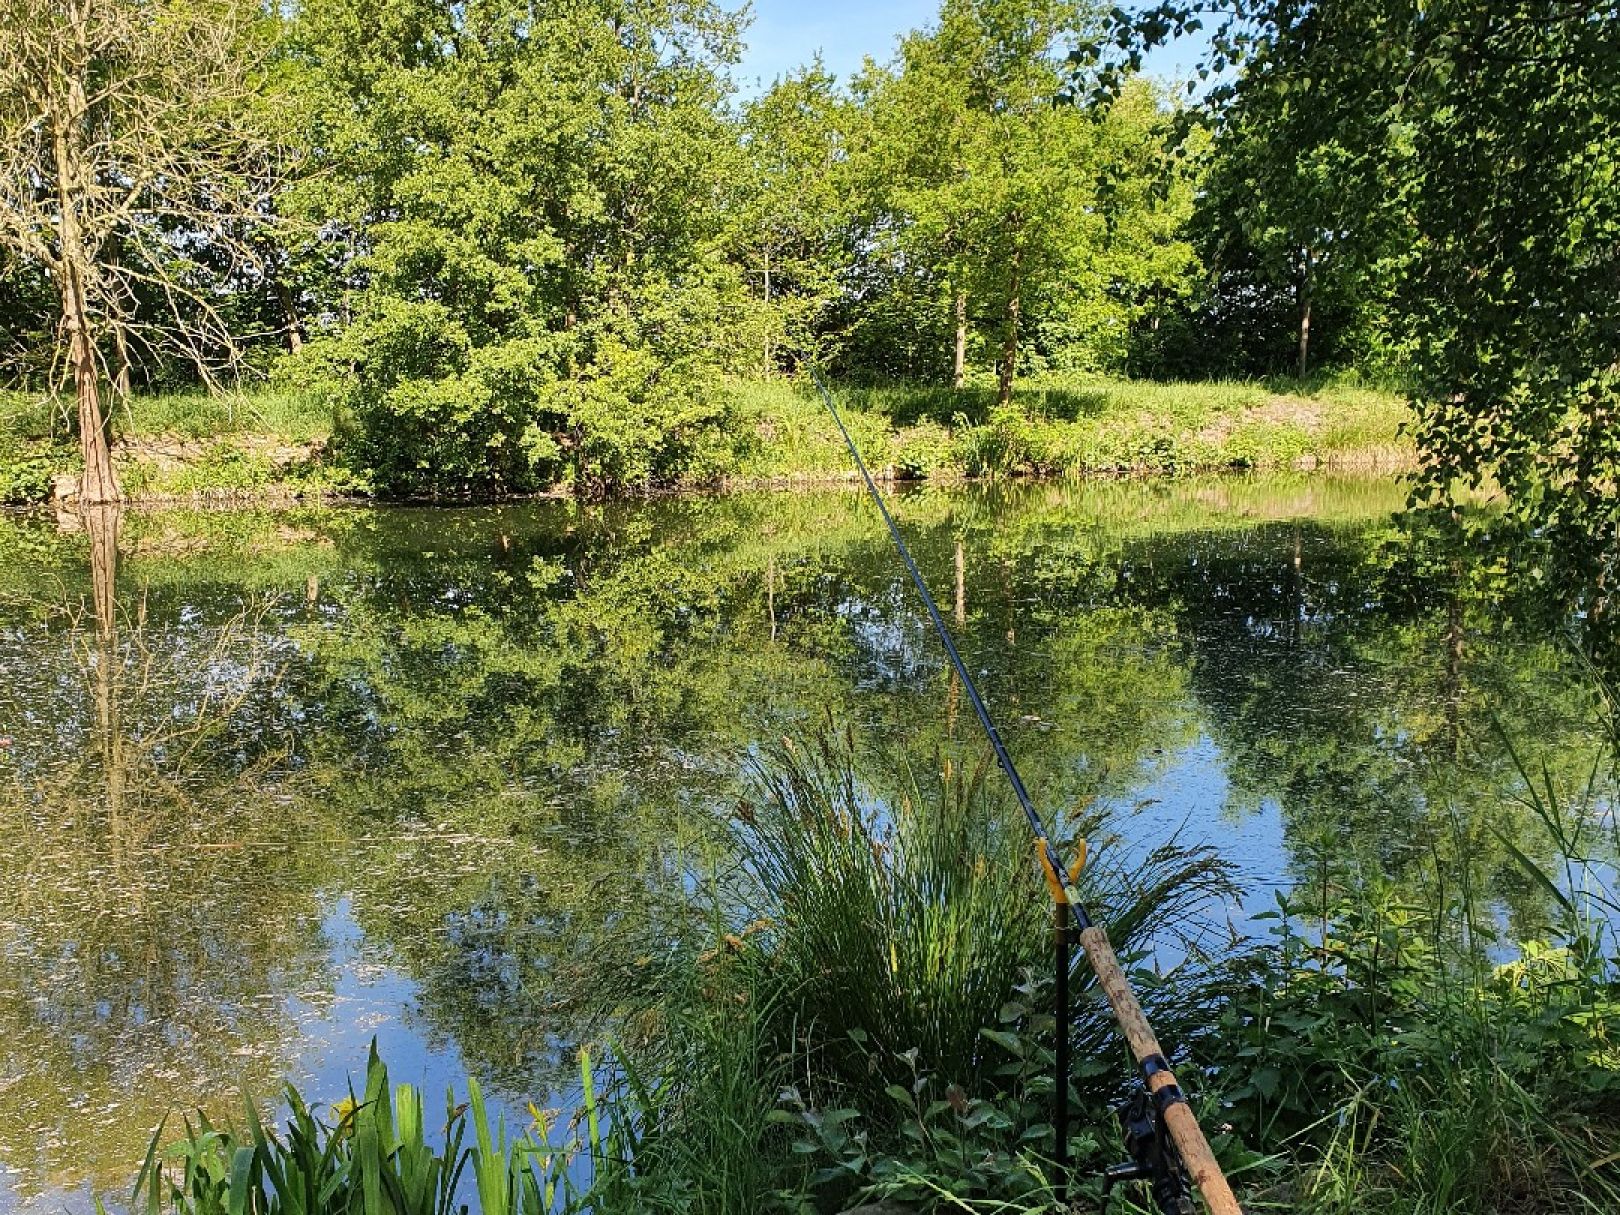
column 990, row 188
column 1292, row 231
column 528, row 201
column 788, row 222
column 1100, row 316
column 1490, row 136
column 998, row 223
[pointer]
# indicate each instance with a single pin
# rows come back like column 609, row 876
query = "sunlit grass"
column 1075, row 426
column 779, row 432
column 296, row 417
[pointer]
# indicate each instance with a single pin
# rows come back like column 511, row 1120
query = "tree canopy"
column 1451, row 165
column 518, row 247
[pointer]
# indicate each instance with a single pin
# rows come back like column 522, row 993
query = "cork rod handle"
column 1189, row 1139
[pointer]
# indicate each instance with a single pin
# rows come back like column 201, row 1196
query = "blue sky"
column 785, row 35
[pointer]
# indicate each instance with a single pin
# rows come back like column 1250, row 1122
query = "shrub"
column 1374, row 1041
column 923, row 450
column 26, row 478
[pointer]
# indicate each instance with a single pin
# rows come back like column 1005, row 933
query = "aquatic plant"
column 376, row 1153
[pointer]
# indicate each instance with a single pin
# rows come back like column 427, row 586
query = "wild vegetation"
column 1368, row 1057
column 509, row 251
column 1439, row 171
column 428, row 248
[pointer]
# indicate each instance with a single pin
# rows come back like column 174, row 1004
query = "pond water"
column 274, row 784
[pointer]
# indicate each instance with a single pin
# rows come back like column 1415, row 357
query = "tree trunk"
column 98, row 485
column 1305, row 316
column 121, row 368
column 959, row 363
column 292, row 323
column 961, row 586
column 121, row 372
column 767, row 312
column 1009, row 342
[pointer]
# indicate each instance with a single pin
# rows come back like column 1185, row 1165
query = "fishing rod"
column 1164, row 1107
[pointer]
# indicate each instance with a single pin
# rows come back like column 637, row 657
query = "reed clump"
column 908, row 916
column 378, row 1151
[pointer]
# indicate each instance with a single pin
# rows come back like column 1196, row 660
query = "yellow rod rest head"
column 1053, row 883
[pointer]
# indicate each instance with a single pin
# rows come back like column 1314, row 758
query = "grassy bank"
column 1088, row 427
column 863, row 1019
column 262, row 445
column 270, row 444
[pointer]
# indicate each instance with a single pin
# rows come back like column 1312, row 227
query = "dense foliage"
column 515, row 247
column 511, row 249
column 1442, row 175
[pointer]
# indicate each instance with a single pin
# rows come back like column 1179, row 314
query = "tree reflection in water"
column 489, row 734
column 144, row 953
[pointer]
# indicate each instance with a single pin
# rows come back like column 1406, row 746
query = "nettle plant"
column 932, row 1143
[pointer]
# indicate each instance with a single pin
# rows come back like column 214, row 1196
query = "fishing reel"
column 1154, row 1158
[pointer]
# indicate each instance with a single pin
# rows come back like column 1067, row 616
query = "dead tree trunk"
column 98, row 484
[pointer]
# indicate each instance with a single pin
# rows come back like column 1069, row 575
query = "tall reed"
column 907, row 910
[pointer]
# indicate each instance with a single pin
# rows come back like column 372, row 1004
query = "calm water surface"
column 272, row 785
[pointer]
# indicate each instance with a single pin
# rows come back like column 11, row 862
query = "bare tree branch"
column 132, row 172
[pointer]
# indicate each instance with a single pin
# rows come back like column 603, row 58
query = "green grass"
column 292, row 416
column 908, row 911
column 232, row 445
column 1062, row 426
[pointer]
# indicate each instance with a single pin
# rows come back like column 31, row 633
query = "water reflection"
column 277, row 782
column 144, row 953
